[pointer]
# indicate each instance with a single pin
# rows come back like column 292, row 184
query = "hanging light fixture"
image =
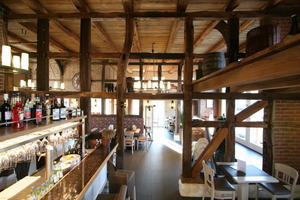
column 25, row 61
column 6, row 55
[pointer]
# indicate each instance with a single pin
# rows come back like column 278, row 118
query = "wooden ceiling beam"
column 256, row 68
column 17, row 38
column 232, row 4
column 82, row 6
column 271, row 4
column 245, row 24
column 31, row 27
column 169, row 56
column 279, row 83
column 201, row 15
column 222, row 42
column 38, row 8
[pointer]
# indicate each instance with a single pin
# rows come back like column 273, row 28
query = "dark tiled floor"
column 158, row 169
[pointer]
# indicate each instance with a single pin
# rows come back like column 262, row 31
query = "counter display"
column 76, row 184
column 20, row 146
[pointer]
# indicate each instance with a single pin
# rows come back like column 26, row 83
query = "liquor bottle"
column 37, row 110
column 27, row 109
column 31, row 104
column 18, row 112
column 63, row 110
column 55, row 111
column 6, row 111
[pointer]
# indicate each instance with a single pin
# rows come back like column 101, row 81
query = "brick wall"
column 286, row 138
column 102, row 122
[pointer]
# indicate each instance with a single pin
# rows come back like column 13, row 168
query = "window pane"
column 110, row 107
column 96, row 106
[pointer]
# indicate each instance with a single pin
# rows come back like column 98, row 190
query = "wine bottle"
column 63, row 110
column 37, row 110
column 6, row 111
column 18, row 112
column 47, row 107
column 27, row 109
column 31, row 105
column 55, row 111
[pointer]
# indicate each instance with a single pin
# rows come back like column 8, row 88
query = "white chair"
column 216, row 188
column 287, row 177
column 129, row 140
column 199, row 148
column 142, row 139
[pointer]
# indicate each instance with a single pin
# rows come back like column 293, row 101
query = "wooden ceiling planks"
column 108, row 33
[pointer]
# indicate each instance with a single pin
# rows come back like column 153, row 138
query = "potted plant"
column 107, row 135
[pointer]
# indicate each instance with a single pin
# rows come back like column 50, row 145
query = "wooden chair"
column 199, row 148
column 142, row 139
column 119, row 196
column 287, row 177
column 216, row 188
column 129, row 140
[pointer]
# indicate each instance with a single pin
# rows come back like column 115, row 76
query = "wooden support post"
column 85, row 69
column 159, row 75
column 103, row 78
column 121, row 77
column 233, row 43
column 230, row 139
column 267, row 139
column 232, row 51
column 42, row 73
column 141, row 80
column 187, row 98
column 179, row 77
column 141, row 73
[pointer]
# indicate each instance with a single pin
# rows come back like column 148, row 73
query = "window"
column 96, row 107
column 110, row 107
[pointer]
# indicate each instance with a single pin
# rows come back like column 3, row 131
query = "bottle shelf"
column 12, row 70
column 34, row 132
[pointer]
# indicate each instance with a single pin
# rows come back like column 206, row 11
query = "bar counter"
column 84, row 181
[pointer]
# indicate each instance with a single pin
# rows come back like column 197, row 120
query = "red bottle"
column 18, row 112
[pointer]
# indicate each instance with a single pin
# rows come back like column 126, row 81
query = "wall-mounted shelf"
column 12, row 70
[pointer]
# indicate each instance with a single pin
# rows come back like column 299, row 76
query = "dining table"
column 252, row 175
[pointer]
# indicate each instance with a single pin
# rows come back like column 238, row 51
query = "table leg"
column 243, row 191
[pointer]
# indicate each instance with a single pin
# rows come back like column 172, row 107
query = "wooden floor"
column 158, row 169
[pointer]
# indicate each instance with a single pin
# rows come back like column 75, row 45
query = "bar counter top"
column 74, row 184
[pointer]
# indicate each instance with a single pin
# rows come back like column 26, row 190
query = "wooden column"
column 267, row 139
column 179, row 77
column 103, row 78
column 159, row 75
column 230, row 139
column 233, row 43
column 187, row 98
column 85, row 69
column 141, row 79
column 42, row 72
column 121, row 79
column 232, row 51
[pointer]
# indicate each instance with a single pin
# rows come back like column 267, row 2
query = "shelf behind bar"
column 13, row 70
column 7, row 133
